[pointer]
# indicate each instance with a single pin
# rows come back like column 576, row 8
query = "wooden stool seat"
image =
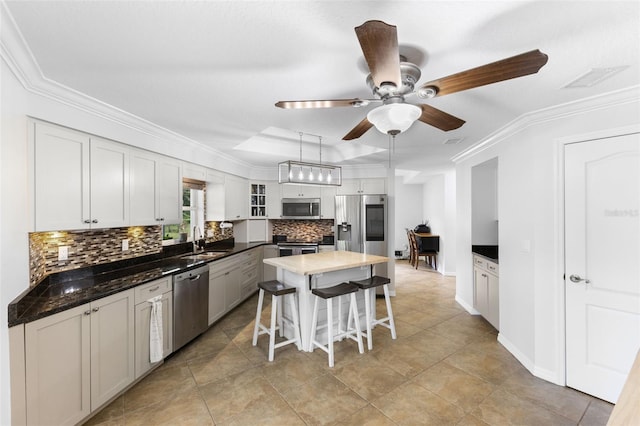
column 388, row 322
column 329, row 293
column 335, row 291
column 277, row 290
column 374, row 281
column 276, row 287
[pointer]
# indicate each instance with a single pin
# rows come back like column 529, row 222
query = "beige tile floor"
column 445, row 368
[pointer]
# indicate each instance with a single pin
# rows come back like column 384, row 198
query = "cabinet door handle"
column 154, row 288
column 96, row 309
column 87, row 312
column 227, row 273
column 94, row 221
column 86, row 221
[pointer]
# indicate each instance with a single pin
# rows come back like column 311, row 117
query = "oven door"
column 308, row 250
column 286, row 251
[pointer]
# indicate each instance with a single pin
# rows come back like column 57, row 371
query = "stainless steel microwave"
column 301, row 208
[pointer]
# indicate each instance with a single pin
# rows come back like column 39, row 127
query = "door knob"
column 577, row 279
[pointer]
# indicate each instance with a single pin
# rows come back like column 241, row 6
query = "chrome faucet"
column 196, row 240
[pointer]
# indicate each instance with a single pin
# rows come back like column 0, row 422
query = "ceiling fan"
column 392, row 79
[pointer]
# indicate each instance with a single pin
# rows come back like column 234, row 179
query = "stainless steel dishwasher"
column 190, row 305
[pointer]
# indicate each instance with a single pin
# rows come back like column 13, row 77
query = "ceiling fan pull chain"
column 389, row 139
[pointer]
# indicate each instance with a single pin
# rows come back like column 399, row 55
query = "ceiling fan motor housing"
column 409, row 76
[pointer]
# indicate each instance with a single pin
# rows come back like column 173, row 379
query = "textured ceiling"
column 212, row 70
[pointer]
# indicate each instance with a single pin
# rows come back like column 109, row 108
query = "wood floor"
column 445, row 368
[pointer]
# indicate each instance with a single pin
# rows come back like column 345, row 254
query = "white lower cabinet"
column 77, row 360
column 143, row 322
column 250, row 272
column 232, row 280
column 224, row 287
column 486, row 290
column 269, row 272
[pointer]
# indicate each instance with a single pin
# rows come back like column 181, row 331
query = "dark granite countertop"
column 61, row 291
column 489, row 252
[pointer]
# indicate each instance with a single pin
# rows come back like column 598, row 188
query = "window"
column 192, row 213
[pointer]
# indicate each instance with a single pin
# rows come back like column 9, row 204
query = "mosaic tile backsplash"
column 88, row 248
column 93, row 247
column 308, row 230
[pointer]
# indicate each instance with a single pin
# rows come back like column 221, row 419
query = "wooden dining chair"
column 413, row 249
column 430, row 257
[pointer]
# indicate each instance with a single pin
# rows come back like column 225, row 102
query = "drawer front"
column 480, row 262
column 155, row 288
column 218, row 265
column 492, row 267
column 250, row 275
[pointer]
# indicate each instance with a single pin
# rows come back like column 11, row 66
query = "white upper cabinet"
column 194, row 171
column 227, row 200
column 363, row 186
column 169, row 191
column 156, row 189
column 274, row 205
column 328, row 202
column 300, row 191
column 109, row 184
column 80, row 182
column 258, row 199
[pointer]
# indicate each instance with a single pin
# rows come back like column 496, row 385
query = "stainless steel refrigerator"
column 361, row 225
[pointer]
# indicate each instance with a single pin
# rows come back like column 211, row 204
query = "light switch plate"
column 125, row 245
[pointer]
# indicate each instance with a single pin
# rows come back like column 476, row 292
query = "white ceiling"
column 212, row 70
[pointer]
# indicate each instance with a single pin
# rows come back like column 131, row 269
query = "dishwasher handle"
column 195, row 277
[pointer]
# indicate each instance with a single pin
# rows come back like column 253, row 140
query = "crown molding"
column 16, row 53
column 581, row 106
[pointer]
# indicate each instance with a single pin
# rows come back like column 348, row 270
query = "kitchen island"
column 309, row 271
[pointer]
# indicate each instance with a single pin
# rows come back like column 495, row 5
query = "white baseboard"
column 466, row 306
column 529, row 364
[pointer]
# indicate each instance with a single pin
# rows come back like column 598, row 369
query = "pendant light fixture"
column 309, row 173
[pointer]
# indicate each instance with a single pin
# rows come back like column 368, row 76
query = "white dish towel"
column 155, row 329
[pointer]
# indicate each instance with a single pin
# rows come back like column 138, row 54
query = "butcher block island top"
column 317, row 263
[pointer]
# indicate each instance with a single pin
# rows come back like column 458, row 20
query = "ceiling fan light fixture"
column 394, row 118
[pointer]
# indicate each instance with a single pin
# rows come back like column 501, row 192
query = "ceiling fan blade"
column 505, row 69
column 379, row 43
column 439, row 119
column 329, row 103
column 359, row 130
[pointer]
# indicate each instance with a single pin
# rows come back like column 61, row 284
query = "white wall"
column 531, row 222
column 408, row 211
column 484, row 203
column 14, row 208
column 439, row 208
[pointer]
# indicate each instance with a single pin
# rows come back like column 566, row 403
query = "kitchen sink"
column 203, row 256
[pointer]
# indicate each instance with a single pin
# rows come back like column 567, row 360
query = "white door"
column 602, row 225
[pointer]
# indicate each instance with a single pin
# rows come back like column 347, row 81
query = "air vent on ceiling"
column 452, row 141
column 594, row 76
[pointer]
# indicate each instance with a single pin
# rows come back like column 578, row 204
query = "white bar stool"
column 329, row 293
column 277, row 289
column 366, row 285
